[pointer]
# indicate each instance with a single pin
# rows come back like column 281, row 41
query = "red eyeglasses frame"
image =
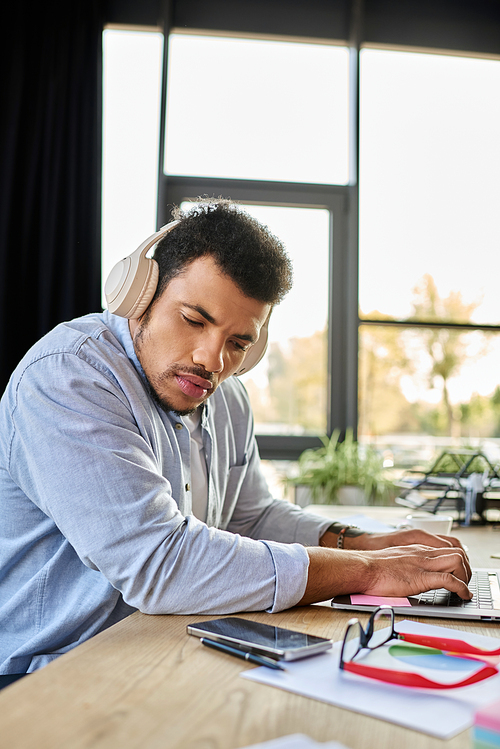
column 405, row 678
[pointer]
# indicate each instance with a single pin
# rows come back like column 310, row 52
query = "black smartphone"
column 262, row 639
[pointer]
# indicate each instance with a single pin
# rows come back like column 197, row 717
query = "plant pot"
column 351, row 495
column 346, row 495
column 303, row 495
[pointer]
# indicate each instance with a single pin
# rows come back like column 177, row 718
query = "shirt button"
column 188, row 487
column 178, row 426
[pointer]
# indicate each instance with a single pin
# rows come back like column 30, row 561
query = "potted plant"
column 326, row 471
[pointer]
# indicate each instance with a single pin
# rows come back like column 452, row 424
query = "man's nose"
column 210, row 355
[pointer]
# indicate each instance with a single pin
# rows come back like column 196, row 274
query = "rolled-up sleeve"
column 291, row 563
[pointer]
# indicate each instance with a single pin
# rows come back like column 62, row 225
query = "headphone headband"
column 131, row 286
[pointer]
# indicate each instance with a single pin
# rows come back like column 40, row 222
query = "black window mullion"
column 429, row 324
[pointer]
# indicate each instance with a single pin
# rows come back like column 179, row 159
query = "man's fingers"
column 455, row 556
column 430, row 539
column 448, row 561
column 448, row 581
column 419, row 552
column 449, row 570
column 437, row 540
column 450, row 540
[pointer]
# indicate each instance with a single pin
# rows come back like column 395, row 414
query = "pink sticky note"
column 489, row 717
column 378, row 601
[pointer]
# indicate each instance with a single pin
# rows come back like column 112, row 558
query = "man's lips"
column 193, row 386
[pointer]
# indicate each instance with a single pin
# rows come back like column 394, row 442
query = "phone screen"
column 261, row 637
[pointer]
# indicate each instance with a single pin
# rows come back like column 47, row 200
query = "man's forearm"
column 333, row 572
column 394, row 571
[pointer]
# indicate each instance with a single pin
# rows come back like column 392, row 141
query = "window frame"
column 342, row 203
column 355, row 23
column 342, row 301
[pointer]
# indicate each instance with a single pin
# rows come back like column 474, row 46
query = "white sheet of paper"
column 435, row 712
column 371, row 525
column 296, row 741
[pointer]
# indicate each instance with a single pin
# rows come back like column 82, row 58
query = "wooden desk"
column 145, row 684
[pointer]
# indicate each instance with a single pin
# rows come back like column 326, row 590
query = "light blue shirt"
column 95, row 503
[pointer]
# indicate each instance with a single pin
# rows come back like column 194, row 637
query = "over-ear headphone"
column 132, row 283
column 255, row 354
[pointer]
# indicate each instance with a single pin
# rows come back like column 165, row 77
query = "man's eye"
column 240, row 347
column 194, row 323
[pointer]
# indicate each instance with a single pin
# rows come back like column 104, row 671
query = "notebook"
column 485, row 604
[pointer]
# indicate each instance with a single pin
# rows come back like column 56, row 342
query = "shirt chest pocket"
column 235, row 477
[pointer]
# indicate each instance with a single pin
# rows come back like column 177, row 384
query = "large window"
column 247, row 119
column 429, row 247
column 402, row 341
column 266, row 122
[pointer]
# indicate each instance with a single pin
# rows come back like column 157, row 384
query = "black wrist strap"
column 342, row 530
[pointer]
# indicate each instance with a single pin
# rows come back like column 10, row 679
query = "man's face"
column 196, row 335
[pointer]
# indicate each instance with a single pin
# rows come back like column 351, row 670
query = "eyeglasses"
column 380, row 629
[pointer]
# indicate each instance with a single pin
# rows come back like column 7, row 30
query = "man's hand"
column 410, row 570
column 373, row 541
column 394, row 571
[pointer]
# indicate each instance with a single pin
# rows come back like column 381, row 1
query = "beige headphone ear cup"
column 256, row 353
column 147, row 292
column 132, row 283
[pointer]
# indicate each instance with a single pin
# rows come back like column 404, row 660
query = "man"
column 129, row 473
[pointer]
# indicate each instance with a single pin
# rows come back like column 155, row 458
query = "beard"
column 154, row 386
column 155, row 383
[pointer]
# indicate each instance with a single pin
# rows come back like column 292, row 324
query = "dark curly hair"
column 244, row 249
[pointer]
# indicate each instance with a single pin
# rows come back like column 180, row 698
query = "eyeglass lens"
column 378, row 632
column 382, row 629
column 352, row 641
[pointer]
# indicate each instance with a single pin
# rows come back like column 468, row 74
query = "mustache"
column 179, row 369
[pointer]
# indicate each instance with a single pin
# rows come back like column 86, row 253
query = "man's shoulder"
column 86, row 338
column 69, row 335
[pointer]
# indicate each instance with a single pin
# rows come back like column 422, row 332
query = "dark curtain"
column 50, row 150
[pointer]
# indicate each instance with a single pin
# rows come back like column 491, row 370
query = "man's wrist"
column 333, row 574
column 341, row 531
